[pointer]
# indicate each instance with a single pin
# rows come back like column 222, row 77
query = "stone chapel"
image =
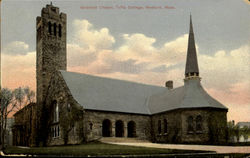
column 73, row 107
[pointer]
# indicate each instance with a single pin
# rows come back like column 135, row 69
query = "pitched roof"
column 99, row 93
column 191, row 61
column 191, row 95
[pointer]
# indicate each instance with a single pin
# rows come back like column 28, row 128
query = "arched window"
column 199, row 123
column 159, row 126
column 190, row 124
column 165, row 126
column 58, row 131
column 55, row 29
column 60, row 30
column 69, row 107
column 55, row 132
column 91, row 126
column 52, row 131
column 49, row 27
column 55, row 111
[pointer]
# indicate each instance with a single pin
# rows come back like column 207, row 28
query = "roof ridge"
column 133, row 82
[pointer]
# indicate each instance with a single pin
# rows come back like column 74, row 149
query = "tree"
column 29, row 94
column 230, row 131
column 6, row 100
column 245, row 131
column 236, row 130
column 12, row 101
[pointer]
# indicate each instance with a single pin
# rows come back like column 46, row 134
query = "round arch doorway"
column 131, row 129
column 106, row 128
column 119, row 128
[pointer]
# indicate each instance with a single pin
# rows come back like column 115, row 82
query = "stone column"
column 113, row 129
column 125, row 130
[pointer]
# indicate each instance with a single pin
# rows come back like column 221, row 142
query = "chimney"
column 169, row 84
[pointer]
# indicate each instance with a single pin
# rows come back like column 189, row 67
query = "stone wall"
column 96, row 118
column 217, row 126
column 70, row 114
column 173, row 127
column 23, row 125
column 195, row 136
column 213, row 126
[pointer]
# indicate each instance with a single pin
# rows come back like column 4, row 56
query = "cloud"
column 135, row 55
column 87, row 36
column 16, row 48
column 223, row 69
column 225, row 74
column 19, row 70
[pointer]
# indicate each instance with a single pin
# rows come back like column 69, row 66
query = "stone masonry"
column 60, row 119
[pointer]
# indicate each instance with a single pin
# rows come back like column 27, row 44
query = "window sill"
column 55, row 123
column 199, row 132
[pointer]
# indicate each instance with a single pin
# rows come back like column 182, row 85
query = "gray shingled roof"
column 191, row 95
column 99, row 93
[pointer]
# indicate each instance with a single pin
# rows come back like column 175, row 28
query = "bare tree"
column 13, row 101
column 6, row 101
column 19, row 96
column 30, row 95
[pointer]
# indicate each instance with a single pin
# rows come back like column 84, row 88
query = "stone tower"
column 50, row 47
column 50, row 57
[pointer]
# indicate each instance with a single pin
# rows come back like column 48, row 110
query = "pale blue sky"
column 218, row 24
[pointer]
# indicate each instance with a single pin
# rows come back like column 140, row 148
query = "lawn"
column 93, row 149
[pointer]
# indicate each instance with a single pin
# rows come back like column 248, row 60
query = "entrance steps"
column 121, row 140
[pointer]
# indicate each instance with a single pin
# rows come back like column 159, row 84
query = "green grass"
column 93, row 149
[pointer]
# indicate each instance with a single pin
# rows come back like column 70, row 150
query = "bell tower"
column 50, row 47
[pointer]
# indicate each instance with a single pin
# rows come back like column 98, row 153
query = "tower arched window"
column 60, row 30
column 159, row 126
column 49, row 27
column 190, row 128
column 199, row 123
column 165, row 126
column 55, row 29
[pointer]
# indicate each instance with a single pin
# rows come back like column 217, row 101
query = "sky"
column 135, row 40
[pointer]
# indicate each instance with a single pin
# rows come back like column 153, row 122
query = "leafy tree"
column 245, row 131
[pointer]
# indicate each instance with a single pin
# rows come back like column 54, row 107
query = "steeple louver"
column 192, row 68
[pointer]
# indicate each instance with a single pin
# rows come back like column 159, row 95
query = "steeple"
column 192, row 69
